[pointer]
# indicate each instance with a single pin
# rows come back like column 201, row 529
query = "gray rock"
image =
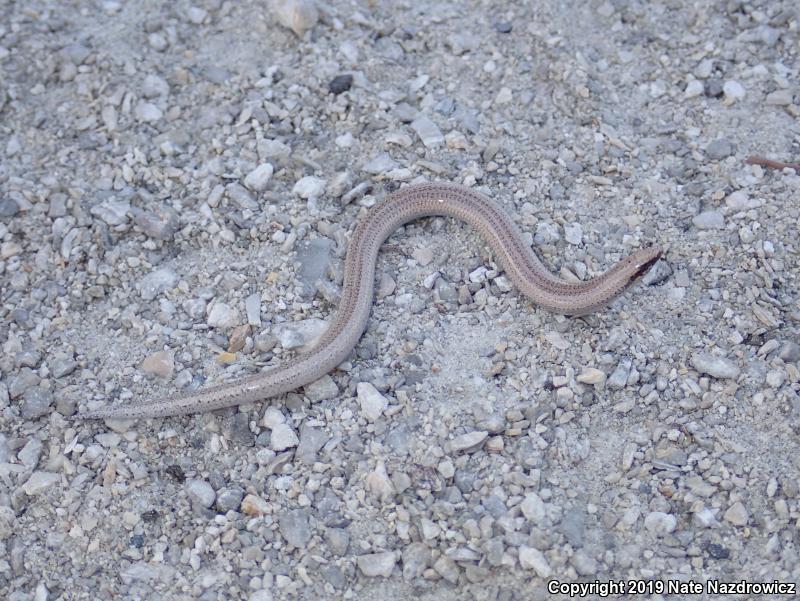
column 447, row 569
column 5, row 451
column 299, row 334
column 405, row 113
column 416, row 557
column 739, row 200
column 272, row 417
column 36, row 402
column 338, row 539
column 659, row 272
column 200, row 492
column 273, row 149
column 160, row 364
column 196, row 15
column 223, row 316
column 493, row 424
column 297, row 15
column 4, row 398
column 733, row 90
column 229, row 499
column 265, row 342
column 461, row 42
column 400, row 481
column 709, row 220
column 315, row 258
column 75, row 53
column 333, row 575
column 311, row 441
column 573, row 233
column 195, row 308
column 377, row 564
column 342, row 183
column 157, row 282
column 30, row 453
column 309, row 187
column 239, row 430
column 546, row 233
column 719, row 149
column 719, row 367
column 140, row 571
column 372, row 402
column 427, row 131
column 29, row 357
column 329, row 291
column 294, row 527
column 593, row 376
column 790, row 351
column 62, row 365
column 8, row 208
column 495, row 506
column 779, row 98
column 321, row 389
column 693, row 89
column 764, row 34
column 704, row 517
column 147, row 112
column 380, row 164
column 468, row 442
column 112, row 211
column 7, row 522
column 423, row 256
column 67, row 73
column 533, row 508
column 252, row 306
column 584, row 563
column 660, row 523
column 572, row 526
column 468, row 119
column 531, row 558
column 445, row 291
column 476, row 573
column 242, row 197
column 700, row 487
column 776, row 378
column 737, row 514
column 619, row 377
column 494, row 551
column 283, row 437
column 154, row 86
column 446, row 106
column 258, row 179
column 160, row 224
column 39, row 482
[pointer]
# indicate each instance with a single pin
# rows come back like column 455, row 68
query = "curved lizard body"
column 524, row 269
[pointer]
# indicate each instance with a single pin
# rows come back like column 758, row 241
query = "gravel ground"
column 176, row 188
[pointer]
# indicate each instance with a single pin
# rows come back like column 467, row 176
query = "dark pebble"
column 714, row 88
column 8, row 207
column 176, row 472
column 239, row 431
column 340, row 83
column 716, row 551
column 150, row 516
column 503, row 27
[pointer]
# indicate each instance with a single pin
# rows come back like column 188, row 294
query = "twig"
column 754, row 160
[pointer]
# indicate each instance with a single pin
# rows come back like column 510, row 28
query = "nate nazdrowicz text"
column 618, row 588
